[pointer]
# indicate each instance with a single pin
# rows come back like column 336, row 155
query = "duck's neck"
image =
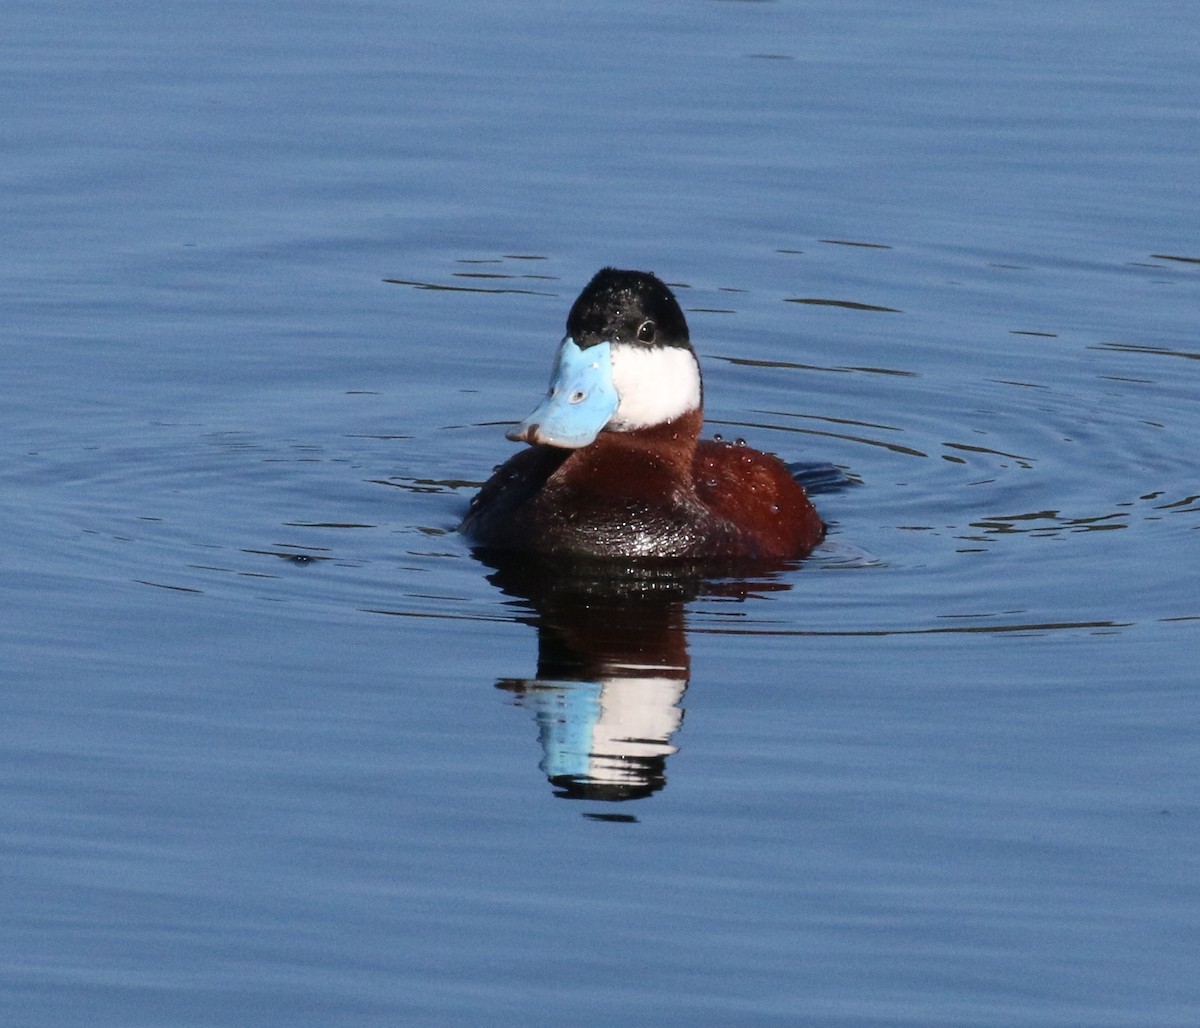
column 640, row 460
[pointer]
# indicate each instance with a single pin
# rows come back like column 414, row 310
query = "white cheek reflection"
column 613, row 733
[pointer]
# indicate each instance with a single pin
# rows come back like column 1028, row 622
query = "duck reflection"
column 612, row 666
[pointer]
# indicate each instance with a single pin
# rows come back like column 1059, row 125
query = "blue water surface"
column 277, row 749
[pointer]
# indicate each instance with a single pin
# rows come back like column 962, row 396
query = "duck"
column 615, row 466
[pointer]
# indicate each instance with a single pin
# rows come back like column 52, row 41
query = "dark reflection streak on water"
column 440, row 486
column 984, row 449
column 830, row 420
column 502, row 274
column 699, row 629
column 894, row 447
column 462, row 289
column 1037, row 515
column 1158, row 351
column 1170, row 257
column 514, row 619
column 1184, row 503
column 1018, row 385
column 1046, row 626
column 853, row 305
column 1048, row 523
column 1100, row 524
column 325, row 524
column 165, row 585
column 851, row 242
column 842, row 370
column 232, row 571
column 295, row 558
column 173, row 588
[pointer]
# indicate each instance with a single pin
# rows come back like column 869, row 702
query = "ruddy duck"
column 616, row 466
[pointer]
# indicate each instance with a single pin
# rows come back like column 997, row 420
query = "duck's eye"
column 578, row 396
column 646, row 331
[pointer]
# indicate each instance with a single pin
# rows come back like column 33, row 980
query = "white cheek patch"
column 655, row 384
